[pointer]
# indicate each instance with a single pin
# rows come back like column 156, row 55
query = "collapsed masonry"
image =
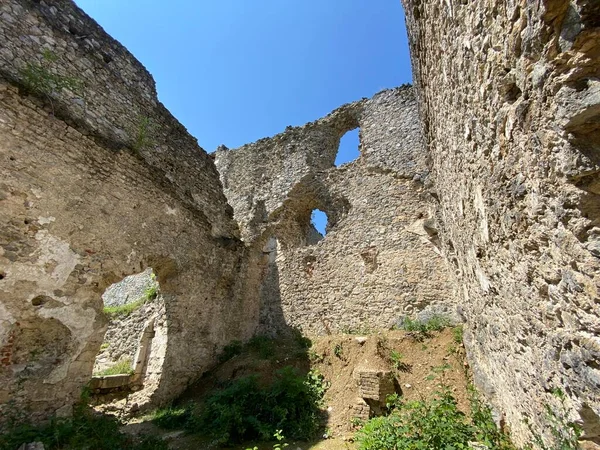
column 492, row 212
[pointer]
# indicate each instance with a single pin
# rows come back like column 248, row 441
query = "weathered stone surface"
column 497, row 199
column 80, row 209
column 109, row 382
column 117, row 104
column 508, row 93
column 379, row 259
column 130, row 289
column 32, row 446
column 374, row 384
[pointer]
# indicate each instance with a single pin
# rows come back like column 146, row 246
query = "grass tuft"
column 122, row 367
column 125, row 310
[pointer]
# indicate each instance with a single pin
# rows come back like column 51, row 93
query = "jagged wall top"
column 117, row 102
column 258, row 177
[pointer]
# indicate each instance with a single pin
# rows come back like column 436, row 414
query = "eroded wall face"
column 510, row 100
column 378, row 261
column 76, row 218
column 88, row 197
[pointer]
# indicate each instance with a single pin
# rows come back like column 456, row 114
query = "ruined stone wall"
column 509, row 94
column 85, row 200
column 116, row 105
column 378, row 261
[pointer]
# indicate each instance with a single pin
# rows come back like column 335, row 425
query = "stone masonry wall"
column 82, row 205
column 117, row 104
column 509, row 94
column 378, row 261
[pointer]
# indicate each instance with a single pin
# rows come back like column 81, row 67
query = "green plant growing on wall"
column 125, row 310
column 41, row 79
column 565, row 434
column 122, row 367
column 143, row 134
column 422, row 329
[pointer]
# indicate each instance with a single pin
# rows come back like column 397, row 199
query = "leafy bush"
column 264, row 346
column 245, row 410
column 301, row 341
column 171, row 418
column 232, row 349
column 486, row 431
column 122, row 367
column 434, row 424
column 85, row 430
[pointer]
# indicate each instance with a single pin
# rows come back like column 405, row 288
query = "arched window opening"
column 348, row 150
column 131, row 306
column 318, row 228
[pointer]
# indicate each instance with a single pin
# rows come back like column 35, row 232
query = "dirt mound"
column 359, row 370
column 417, row 364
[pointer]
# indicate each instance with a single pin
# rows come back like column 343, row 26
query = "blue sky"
column 234, row 71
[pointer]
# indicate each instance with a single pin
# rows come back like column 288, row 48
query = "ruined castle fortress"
column 476, row 195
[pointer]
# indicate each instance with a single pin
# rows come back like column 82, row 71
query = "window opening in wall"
column 348, row 150
column 127, row 304
column 318, row 220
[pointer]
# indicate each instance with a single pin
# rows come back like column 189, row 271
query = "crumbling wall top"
column 112, row 98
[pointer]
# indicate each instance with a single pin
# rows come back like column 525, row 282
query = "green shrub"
column 85, row 430
column 122, row 367
column 263, row 346
column 301, row 341
column 171, row 418
column 397, row 363
column 423, row 425
column 232, row 349
column 486, row 431
column 424, row 328
column 245, row 410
